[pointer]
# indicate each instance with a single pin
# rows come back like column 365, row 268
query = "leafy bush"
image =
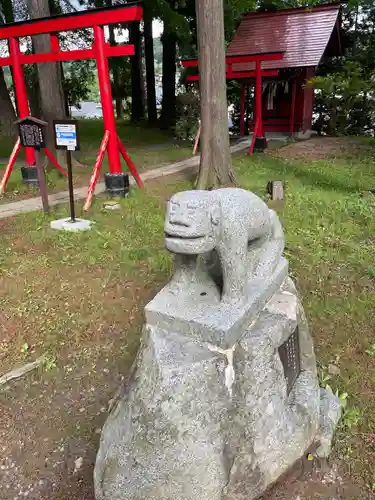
column 345, row 101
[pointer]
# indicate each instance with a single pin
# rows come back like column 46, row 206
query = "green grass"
column 81, row 296
column 139, row 140
column 33, row 259
column 329, row 227
column 137, row 135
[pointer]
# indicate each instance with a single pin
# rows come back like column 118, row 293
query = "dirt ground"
column 317, row 480
column 318, row 148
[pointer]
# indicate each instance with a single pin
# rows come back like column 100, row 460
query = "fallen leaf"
column 77, row 464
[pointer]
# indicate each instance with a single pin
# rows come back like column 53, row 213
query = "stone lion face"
column 192, row 223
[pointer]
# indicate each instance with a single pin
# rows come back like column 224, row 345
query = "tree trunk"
column 216, row 163
column 150, row 72
column 49, row 75
column 119, row 109
column 136, row 70
column 115, row 75
column 33, row 90
column 7, row 111
column 7, row 114
column 168, row 111
column 355, row 38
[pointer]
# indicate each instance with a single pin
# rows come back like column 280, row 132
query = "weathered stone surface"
column 179, row 434
column 165, row 439
column 276, row 428
column 208, row 413
column 196, row 310
column 277, row 191
column 330, row 413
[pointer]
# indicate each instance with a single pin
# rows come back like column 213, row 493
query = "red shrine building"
column 305, row 36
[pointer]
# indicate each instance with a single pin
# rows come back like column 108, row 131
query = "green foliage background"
column 345, row 99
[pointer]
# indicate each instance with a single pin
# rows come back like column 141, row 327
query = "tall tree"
column 180, row 37
column 49, row 74
column 345, row 103
column 216, row 163
column 150, row 69
column 137, row 113
column 7, row 112
column 115, row 66
column 168, row 112
column 176, row 30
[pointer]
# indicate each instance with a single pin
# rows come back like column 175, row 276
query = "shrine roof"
column 303, row 34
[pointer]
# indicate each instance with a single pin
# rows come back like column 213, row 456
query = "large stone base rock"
column 202, row 423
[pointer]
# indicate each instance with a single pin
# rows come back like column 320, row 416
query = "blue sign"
column 66, row 135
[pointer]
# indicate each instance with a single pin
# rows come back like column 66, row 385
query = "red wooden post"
column 293, row 107
column 106, row 98
column 242, row 117
column 115, row 179
column 20, row 90
column 55, row 44
column 53, row 160
column 130, row 164
column 258, row 94
column 9, row 166
column 258, row 132
column 96, row 171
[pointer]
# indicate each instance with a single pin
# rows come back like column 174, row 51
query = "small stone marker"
column 111, row 205
column 276, row 190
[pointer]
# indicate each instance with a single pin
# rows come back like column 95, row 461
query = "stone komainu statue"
column 246, row 235
column 224, row 395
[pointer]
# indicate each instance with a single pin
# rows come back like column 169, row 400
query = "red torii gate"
column 100, row 51
column 258, row 73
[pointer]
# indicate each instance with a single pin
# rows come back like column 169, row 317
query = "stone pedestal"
column 205, row 423
column 195, row 309
column 67, row 224
column 224, row 396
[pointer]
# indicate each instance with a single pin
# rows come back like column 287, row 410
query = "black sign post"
column 32, row 135
column 70, row 182
column 66, row 137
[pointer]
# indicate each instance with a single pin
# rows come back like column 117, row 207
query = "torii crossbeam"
column 100, row 51
column 258, row 73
